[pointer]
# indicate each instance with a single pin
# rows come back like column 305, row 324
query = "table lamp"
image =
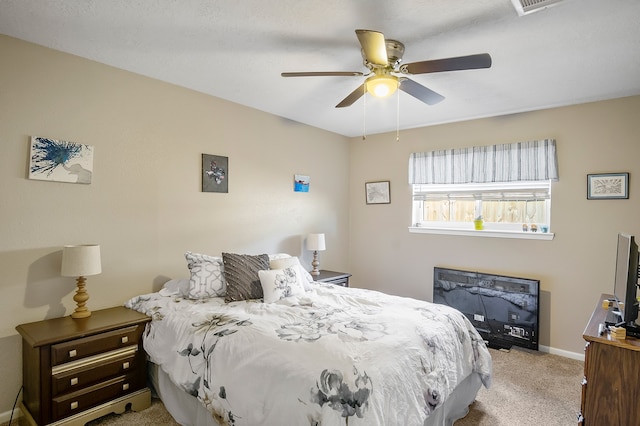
column 81, row 261
column 315, row 242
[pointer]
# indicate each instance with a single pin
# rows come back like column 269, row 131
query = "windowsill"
column 484, row 233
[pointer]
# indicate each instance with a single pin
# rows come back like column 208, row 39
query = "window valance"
column 521, row 161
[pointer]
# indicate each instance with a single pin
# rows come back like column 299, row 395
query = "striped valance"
column 521, row 161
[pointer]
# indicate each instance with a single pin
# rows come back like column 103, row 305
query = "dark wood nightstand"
column 76, row 370
column 332, row 277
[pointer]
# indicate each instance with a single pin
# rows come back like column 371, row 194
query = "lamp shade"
column 81, row 260
column 315, row 242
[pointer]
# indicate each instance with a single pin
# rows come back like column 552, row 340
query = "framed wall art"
column 215, row 173
column 60, row 161
column 301, row 183
column 607, row 186
column 378, row 192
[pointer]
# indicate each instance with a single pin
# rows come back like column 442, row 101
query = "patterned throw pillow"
column 241, row 275
column 281, row 263
column 207, row 276
column 280, row 283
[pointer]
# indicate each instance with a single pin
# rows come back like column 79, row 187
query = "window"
column 503, row 206
column 507, row 186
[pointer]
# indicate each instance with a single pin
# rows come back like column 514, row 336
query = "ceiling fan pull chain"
column 398, row 117
column 364, row 114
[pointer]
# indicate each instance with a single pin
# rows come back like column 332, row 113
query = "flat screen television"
column 625, row 287
column 503, row 309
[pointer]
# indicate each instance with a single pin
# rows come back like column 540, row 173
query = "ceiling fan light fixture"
column 382, row 86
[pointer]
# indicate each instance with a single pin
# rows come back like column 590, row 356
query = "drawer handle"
column 125, row 339
column 74, row 381
column 125, row 386
column 125, row 365
column 74, row 405
column 72, row 353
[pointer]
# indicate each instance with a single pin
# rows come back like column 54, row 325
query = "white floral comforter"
column 334, row 356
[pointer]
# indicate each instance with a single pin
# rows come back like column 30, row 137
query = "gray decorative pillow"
column 241, row 275
column 207, row 278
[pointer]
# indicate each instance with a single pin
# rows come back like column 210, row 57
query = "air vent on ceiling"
column 524, row 7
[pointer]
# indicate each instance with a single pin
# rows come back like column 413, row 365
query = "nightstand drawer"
column 78, row 375
column 344, row 282
column 76, row 402
column 80, row 348
column 333, row 277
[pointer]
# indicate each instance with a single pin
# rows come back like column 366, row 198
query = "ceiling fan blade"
column 353, row 96
column 482, row 60
column 420, row 92
column 374, row 46
column 323, row 74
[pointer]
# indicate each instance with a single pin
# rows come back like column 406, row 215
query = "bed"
column 304, row 353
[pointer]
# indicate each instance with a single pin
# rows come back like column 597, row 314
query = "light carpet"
column 529, row 389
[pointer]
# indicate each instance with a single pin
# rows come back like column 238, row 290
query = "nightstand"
column 332, row 277
column 76, row 370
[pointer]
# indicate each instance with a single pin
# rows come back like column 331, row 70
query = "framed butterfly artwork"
column 215, row 173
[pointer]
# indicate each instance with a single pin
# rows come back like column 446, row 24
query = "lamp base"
column 81, row 298
column 315, row 264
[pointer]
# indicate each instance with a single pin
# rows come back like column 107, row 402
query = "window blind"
column 516, row 162
column 530, row 191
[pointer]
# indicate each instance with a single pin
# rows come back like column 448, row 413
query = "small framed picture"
column 378, row 192
column 607, row 186
column 301, row 183
column 215, row 173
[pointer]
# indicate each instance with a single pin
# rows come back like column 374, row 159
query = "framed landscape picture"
column 607, row 186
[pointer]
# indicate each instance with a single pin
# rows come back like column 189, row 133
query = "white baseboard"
column 561, row 352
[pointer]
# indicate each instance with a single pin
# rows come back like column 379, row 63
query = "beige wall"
column 574, row 268
column 144, row 205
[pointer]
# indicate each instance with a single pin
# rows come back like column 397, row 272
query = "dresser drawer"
column 76, row 402
column 83, row 373
column 87, row 346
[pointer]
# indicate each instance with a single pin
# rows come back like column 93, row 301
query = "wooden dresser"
column 76, row 370
column 611, row 384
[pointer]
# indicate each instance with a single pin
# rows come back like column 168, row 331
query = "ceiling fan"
column 386, row 75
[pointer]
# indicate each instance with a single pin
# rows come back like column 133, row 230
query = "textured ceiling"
column 576, row 51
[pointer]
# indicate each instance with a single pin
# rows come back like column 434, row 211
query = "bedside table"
column 76, row 370
column 332, row 277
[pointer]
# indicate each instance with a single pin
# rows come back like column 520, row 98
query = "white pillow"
column 207, row 276
column 281, row 263
column 275, row 256
column 280, row 283
column 176, row 287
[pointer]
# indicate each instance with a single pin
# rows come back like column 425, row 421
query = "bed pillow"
column 287, row 262
column 241, row 275
column 274, row 256
column 207, row 276
column 176, row 287
column 280, row 283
